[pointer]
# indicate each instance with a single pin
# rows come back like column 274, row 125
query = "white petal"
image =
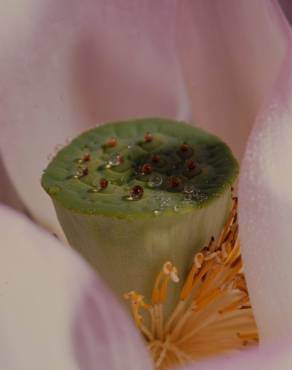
column 266, row 210
column 231, row 52
column 55, row 314
column 276, row 356
column 67, row 65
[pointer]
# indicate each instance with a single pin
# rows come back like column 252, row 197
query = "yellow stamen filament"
column 213, row 314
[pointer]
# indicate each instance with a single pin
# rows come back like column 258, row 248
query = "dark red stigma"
column 86, row 157
column 148, row 137
column 112, row 142
column 174, row 181
column 147, row 169
column 84, row 172
column 191, row 164
column 155, row 159
column 184, row 148
column 103, row 183
column 137, row 192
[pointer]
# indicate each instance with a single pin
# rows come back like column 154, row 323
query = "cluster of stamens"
column 213, row 314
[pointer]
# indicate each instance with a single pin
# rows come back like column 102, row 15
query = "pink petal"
column 67, row 65
column 55, row 314
column 266, row 210
column 8, row 194
column 230, row 52
column 276, row 356
column 287, row 8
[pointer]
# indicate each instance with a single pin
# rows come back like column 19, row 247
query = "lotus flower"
column 64, row 66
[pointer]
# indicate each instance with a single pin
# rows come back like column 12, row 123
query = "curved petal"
column 266, row 210
column 230, row 52
column 55, row 314
column 270, row 357
column 66, row 65
column 287, row 8
column 8, row 194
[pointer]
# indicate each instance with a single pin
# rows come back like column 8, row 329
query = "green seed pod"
column 132, row 195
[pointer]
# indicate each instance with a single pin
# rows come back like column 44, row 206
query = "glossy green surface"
column 73, row 182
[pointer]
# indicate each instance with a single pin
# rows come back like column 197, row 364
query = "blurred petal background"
column 266, row 209
column 55, row 313
column 221, row 64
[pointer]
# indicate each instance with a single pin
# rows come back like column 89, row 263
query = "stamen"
column 188, row 286
column 137, row 301
column 213, row 314
column 169, row 272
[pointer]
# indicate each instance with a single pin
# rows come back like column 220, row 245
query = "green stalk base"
column 130, row 253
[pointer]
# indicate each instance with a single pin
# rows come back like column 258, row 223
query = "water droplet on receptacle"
column 155, row 180
column 81, row 172
column 192, row 193
column 93, row 190
column 162, row 200
column 115, row 160
column 189, row 189
column 129, row 198
column 131, row 144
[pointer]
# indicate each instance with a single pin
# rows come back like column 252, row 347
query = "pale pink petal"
column 230, row 52
column 8, row 194
column 66, row 65
column 266, row 210
column 55, row 314
column 287, row 8
column 276, row 356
